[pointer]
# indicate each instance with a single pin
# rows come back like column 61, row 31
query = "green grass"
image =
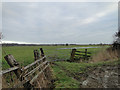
column 63, row 69
column 82, row 67
column 63, row 81
column 24, row 54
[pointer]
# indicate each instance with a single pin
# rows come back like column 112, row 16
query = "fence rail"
column 9, row 70
column 30, row 76
column 79, row 55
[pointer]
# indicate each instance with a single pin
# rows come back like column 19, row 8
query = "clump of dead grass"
column 106, row 55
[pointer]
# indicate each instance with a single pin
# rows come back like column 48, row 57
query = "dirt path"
column 105, row 76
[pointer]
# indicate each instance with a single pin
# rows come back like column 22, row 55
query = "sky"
column 60, row 22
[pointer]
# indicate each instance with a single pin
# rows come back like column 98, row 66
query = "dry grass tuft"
column 106, row 55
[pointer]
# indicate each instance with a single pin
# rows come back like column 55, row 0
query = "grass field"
column 67, row 75
column 24, row 54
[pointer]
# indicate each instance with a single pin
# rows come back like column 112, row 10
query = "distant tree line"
column 16, row 44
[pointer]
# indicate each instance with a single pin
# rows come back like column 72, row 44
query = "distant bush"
column 116, row 43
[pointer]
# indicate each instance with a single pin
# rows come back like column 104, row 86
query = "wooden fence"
column 79, row 55
column 35, row 75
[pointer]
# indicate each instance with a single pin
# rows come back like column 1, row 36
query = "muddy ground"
column 105, row 76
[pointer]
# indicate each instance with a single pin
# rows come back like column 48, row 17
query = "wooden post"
column 72, row 54
column 36, row 55
column 42, row 53
column 85, row 54
column 12, row 62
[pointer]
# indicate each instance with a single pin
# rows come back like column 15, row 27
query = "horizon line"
column 18, row 42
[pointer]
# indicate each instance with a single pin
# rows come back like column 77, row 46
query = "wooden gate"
column 35, row 75
column 79, row 55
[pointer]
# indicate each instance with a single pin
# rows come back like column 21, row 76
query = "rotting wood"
column 10, row 70
column 37, row 61
column 12, row 62
column 35, row 78
column 34, row 70
column 29, row 72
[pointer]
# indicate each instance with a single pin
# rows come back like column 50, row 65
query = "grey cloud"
column 58, row 22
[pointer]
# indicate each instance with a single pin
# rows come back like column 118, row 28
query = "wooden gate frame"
column 75, row 53
column 30, row 73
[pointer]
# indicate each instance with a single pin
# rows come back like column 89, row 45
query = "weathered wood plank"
column 35, row 78
column 34, row 70
column 12, row 63
column 83, row 52
column 37, row 61
column 29, row 72
column 11, row 60
column 29, row 79
column 9, row 70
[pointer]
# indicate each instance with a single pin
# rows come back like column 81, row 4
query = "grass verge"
column 69, row 74
column 62, row 80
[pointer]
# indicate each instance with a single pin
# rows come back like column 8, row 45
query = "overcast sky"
column 80, row 22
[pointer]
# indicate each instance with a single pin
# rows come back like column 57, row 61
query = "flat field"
column 24, row 54
column 67, row 74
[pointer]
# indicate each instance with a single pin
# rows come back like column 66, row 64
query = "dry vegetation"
column 112, row 53
column 106, row 55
